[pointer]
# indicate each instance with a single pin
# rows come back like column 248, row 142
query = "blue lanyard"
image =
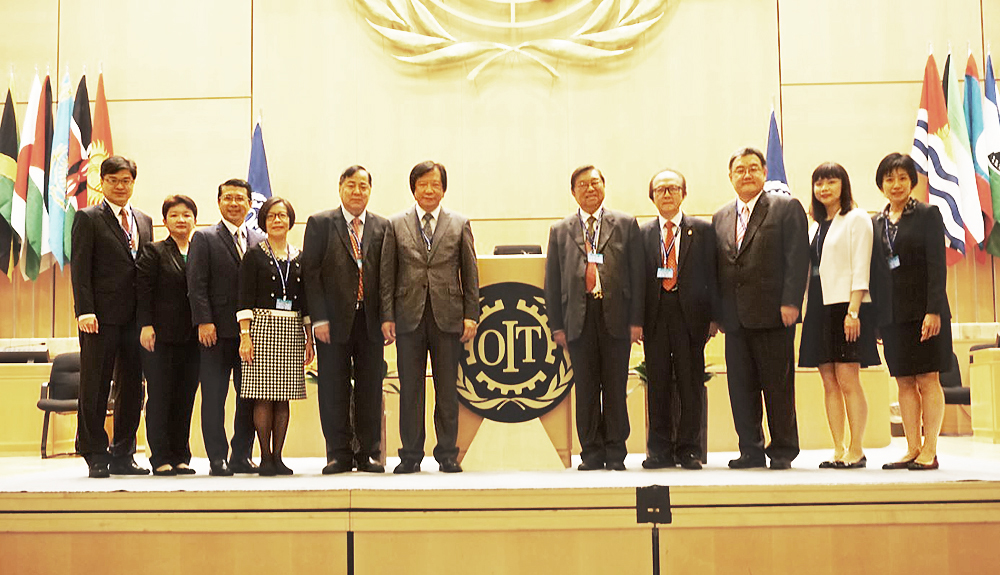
column 664, row 249
column 592, row 240
column 890, row 240
column 288, row 268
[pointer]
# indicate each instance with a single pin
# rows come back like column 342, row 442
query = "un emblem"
column 512, row 371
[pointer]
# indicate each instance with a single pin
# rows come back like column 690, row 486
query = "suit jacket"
column 162, row 291
column 769, row 269
column 448, row 273
column 697, row 287
column 917, row 286
column 621, row 274
column 331, row 274
column 847, row 252
column 102, row 266
column 213, row 272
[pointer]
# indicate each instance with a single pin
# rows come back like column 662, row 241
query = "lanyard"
column 891, row 240
column 354, row 235
column 592, row 240
column 664, row 249
column 420, row 226
column 288, row 268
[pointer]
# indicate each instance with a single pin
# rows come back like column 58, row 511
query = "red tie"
column 127, row 228
column 356, row 248
column 670, row 262
column 590, row 277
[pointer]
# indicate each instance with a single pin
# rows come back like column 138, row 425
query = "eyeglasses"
column 273, row 217
column 235, row 198
column 115, row 182
column 585, row 184
column 742, row 170
column 674, row 190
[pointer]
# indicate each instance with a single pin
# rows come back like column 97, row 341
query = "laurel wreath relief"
column 556, row 385
column 409, row 25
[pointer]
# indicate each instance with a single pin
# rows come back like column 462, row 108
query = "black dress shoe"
column 658, row 462
column 615, row 465
column 746, row 462
column 98, row 470
column 690, row 461
column 781, row 463
column 128, row 467
column 267, row 469
column 407, row 466
column 219, row 468
column 590, row 465
column 185, row 470
column 165, row 471
column 281, row 468
column 242, row 466
column 450, row 466
column 337, row 466
column 369, row 465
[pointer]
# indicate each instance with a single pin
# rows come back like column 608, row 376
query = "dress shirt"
column 597, row 237
column 677, row 232
column 243, row 233
column 434, row 214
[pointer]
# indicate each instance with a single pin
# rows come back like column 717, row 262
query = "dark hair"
column 580, row 170
column 237, row 183
column 422, row 168
column 684, row 182
column 353, row 170
column 176, row 200
column 831, row 170
column 115, row 164
column 266, row 209
column 893, row 161
column 747, row 151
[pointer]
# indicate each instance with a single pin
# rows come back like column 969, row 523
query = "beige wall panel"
column 853, row 125
column 826, row 41
column 511, row 139
column 31, row 32
column 157, row 50
column 991, row 25
column 186, row 147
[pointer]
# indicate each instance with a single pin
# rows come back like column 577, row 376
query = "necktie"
column 356, row 248
column 741, row 225
column 590, row 278
column 428, row 229
column 128, row 229
column 670, row 262
column 239, row 244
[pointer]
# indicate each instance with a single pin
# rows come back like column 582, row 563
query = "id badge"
column 893, row 262
column 595, row 258
column 664, row 273
column 283, row 304
column 815, row 271
column 360, row 263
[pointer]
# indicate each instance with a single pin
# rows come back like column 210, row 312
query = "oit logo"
column 512, row 371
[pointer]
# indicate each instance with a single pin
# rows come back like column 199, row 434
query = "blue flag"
column 258, row 177
column 776, row 179
column 58, row 170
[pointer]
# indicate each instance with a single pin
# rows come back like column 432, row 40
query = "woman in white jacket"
column 838, row 332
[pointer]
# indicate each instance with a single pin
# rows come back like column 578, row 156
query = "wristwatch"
column 853, row 314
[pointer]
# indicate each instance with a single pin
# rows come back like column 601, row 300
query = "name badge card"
column 595, row 258
column 664, row 273
column 284, row 304
column 893, row 262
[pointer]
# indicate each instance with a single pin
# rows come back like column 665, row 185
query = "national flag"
column 991, row 132
column 58, row 170
column 931, row 157
column 258, row 176
column 960, row 151
column 20, row 199
column 10, row 243
column 100, row 148
column 76, row 177
column 776, row 179
column 35, row 251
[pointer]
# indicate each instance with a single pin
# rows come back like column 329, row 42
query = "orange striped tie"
column 356, row 224
column 670, row 262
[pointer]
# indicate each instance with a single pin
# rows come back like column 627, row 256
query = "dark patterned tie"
column 428, row 229
column 590, row 277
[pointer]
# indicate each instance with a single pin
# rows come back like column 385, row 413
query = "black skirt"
column 823, row 338
column 906, row 355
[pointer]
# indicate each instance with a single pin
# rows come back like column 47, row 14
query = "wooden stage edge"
column 773, row 522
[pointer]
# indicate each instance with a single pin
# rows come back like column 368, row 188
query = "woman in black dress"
column 170, row 359
column 275, row 339
column 908, row 287
column 838, row 332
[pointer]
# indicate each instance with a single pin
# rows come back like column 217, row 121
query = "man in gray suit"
column 430, row 303
column 594, row 299
column 763, row 261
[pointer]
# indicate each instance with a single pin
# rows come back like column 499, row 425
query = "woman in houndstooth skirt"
column 275, row 339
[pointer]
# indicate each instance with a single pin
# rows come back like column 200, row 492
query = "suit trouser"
column 761, row 361
column 675, row 365
column 113, row 351
column 334, row 391
column 411, row 352
column 171, row 384
column 600, row 370
column 217, row 363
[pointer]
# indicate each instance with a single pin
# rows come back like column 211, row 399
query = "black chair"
column 517, row 250
column 60, row 392
column 951, row 385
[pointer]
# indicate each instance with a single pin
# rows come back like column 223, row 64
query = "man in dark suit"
column 681, row 296
column 106, row 239
column 430, row 303
column 341, row 255
column 213, row 274
column 763, row 261
column 594, row 298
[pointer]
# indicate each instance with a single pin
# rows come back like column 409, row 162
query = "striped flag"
column 58, row 169
column 20, row 200
column 10, row 243
column 76, row 177
column 960, row 151
column 258, row 177
column 991, row 137
column 36, row 255
column 931, row 157
column 100, row 148
column 776, row 179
